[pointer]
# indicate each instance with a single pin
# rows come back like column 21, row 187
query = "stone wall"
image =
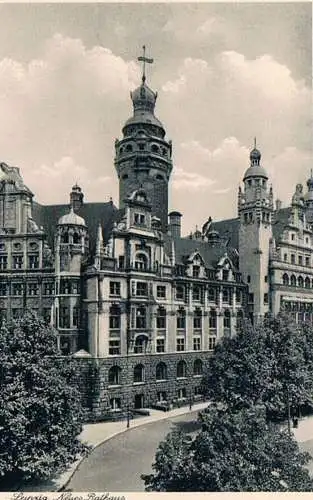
column 93, row 376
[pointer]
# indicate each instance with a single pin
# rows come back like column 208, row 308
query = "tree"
column 269, row 364
column 40, row 411
column 234, row 451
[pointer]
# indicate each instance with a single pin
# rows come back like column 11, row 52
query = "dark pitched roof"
column 106, row 214
column 229, row 229
column 211, row 255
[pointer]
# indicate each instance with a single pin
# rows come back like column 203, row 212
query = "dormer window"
column 139, row 219
column 195, row 271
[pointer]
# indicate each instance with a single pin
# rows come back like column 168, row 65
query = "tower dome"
column 255, row 169
column 71, row 219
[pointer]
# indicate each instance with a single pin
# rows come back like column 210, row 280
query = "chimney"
column 278, row 204
column 175, row 224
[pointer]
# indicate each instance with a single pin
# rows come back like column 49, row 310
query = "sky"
column 224, row 73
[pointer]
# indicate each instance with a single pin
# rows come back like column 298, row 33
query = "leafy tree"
column 269, row 364
column 236, row 451
column 40, row 411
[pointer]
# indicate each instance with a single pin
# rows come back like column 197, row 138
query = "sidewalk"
column 96, row 434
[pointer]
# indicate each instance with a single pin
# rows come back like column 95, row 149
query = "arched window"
column 115, row 375
column 141, row 344
column 307, row 282
column 293, row 280
column 76, row 238
column 139, row 373
column 300, row 281
column 161, row 371
column 159, row 177
column 181, row 370
column 285, row 279
column 198, row 367
column 64, row 238
column 227, row 319
column 154, row 148
column 141, row 262
column 129, row 148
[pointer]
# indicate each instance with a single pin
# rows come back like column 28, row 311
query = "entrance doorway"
column 139, row 399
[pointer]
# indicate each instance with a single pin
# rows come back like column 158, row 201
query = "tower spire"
column 254, row 142
column 144, row 60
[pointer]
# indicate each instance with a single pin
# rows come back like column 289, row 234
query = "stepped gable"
column 106, row 214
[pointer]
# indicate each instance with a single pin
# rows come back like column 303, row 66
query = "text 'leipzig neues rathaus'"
column 124, row 288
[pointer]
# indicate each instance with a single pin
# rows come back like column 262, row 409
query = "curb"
column 77, row 464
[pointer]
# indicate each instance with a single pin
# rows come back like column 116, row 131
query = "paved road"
column 117, row 464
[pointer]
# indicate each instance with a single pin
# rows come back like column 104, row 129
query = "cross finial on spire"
column 144, row 60
column 255, row 143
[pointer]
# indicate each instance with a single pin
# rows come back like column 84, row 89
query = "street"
column 117, row 464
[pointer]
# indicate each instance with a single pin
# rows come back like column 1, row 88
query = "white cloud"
column 190, row 180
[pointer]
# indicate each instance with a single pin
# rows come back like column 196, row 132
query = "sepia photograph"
column 156, row 248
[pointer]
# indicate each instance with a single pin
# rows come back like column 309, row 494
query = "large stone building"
column 142, row 305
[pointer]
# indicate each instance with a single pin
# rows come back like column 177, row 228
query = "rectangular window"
column 32, row 289
column 64, row 317
column 181, row 393
column 141, row 289
column 266, row 298
column 17, row 289
column 196, row 293
column 226, row 295
column 307, row 260
column 115, row 318
column 161, row 292
column 197, row 344
column 251, row 298
column 225, row 275
column 75, row 287
column 17, row 261
column 121, row 261
column 212, row 343
column 300, row 260
column 195, row 271
column 181, row 320
column 48, row 288
column 180, row 292
column 3, row 289
column 197, row 321
column 285, row 257
column 141, row 322
column 3, row 262
column 33, row 261
column 212, row 295
column 115, row 288
column 265, row 279
column 161, row 319
column 160, row 345
column 139, row 219
column 238, row 296
column 75, row 317
column 114, row 347
column 293, row 258
column 212, row 320
column 180, row 344
column 115, row 404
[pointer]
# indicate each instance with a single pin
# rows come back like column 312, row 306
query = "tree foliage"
column 234, row 451
column 269, row 364
column 40, row 411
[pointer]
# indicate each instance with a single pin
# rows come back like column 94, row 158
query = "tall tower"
column 255, row 211
column 143, row 155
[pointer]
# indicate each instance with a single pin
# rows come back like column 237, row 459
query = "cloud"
column 190, row 180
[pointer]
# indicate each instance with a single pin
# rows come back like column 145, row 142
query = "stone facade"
column 139, row 307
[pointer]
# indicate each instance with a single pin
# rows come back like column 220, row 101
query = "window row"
column 303, row 260
column 17, row 262
column 297, row 281
column 18, row 288
column 161, row 372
